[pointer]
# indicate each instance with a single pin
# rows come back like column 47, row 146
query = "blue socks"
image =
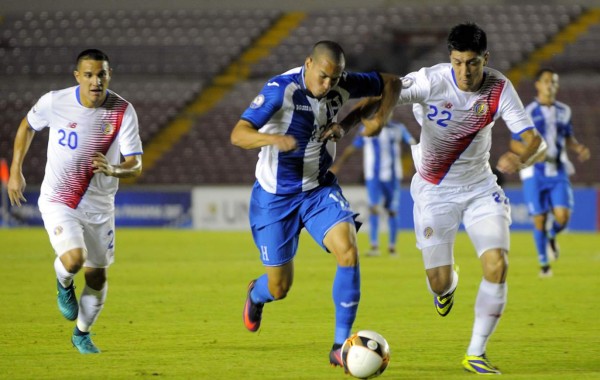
column 260, row 293
column 346, row 295
column 393, row 226
column 374, row 230
column 541, row 239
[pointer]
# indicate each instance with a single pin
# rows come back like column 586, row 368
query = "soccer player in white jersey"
column 90, row 128
column 546, row 185
column 293, row 121
column 456, row 105
column 382, row 169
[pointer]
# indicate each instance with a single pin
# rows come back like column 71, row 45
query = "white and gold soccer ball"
column 365, row 354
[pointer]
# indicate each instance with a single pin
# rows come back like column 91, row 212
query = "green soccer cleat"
column 443, row 304
column 84, row 344
column 479, row 365
column 67, row 301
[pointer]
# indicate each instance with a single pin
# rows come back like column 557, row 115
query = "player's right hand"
column 16, row 186
column 284, row 143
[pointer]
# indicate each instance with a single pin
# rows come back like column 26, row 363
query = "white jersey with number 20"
column 76, row 133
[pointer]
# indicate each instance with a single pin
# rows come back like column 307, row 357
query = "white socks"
column 91, row 303
column 64, row 277
column 489, row 305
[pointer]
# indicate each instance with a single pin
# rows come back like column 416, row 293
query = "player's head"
column 467, row 45
column 324, row 68
column 546, row 84
column 93, row 74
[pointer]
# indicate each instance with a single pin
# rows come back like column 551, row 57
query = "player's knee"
column 495, row 268
column 73, row 260
column 347, row 257
column 95, row 278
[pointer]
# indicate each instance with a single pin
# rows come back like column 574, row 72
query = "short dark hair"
column 543, row 70
column 93, row 54
column 332, row 49
column 467, row 37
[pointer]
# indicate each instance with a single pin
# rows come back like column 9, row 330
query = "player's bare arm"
column 16, row 181
column 532, row 149
column 582, row 151
column 131, row 167
column 381, row 110
column 245, row 136
column 373, row 112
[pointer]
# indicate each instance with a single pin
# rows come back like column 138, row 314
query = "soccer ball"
column 365, row 354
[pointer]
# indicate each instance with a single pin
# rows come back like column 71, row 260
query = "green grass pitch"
column 176, row 296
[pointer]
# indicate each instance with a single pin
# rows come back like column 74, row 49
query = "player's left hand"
column 509, row 163
column 333, row 132
column 101, row 165
column 583, row 153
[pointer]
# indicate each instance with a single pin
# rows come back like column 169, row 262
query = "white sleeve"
column 129, row 136
column 39, row 115
column 416, row 87
column 512, row 111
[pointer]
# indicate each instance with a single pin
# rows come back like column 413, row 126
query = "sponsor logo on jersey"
column 428, row 232
column 107, row 128
column 480, row 108
column 258, row 101
column 273, row 84
column 303, row 107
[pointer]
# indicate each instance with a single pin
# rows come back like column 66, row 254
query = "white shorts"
column 439, row 211
column 92, row 231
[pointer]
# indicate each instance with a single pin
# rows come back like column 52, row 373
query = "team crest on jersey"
column 480, row 108
column 258, row 101
column 107, row 128
column 58, row 230
column 428, row 232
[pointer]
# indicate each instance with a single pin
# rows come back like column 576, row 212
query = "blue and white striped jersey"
column 554, row 124
column 381, row 153
column 285, row 107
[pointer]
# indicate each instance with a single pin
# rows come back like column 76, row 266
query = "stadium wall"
column 225, row 208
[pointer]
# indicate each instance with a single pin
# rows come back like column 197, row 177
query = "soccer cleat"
column 335, row 356
column 252, row 311
column 67, row 301
column 552, row 249
column 374, row 252
column 443, row 304
column 84, row 344
column 393, row 252
column 479, row 365
column 545, row 271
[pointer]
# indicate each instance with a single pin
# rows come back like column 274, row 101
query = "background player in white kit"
column 456, row 105
column 90, row 127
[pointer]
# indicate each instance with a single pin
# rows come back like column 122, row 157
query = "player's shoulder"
column 562, row 105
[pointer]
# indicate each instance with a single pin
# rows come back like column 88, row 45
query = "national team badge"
column 407, row 82
column 258, row 101
column 428, row 232
column 58, row 230
column 480, row 108
column 107, row 128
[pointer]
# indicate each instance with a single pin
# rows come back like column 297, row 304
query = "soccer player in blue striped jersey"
column 546, row 185
column 382, row 169
column 293, row 120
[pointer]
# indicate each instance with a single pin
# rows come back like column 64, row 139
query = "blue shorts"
column 276, row 220
column 390, row 190
column 542, row 196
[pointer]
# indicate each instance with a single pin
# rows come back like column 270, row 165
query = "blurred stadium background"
column 191, row 68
